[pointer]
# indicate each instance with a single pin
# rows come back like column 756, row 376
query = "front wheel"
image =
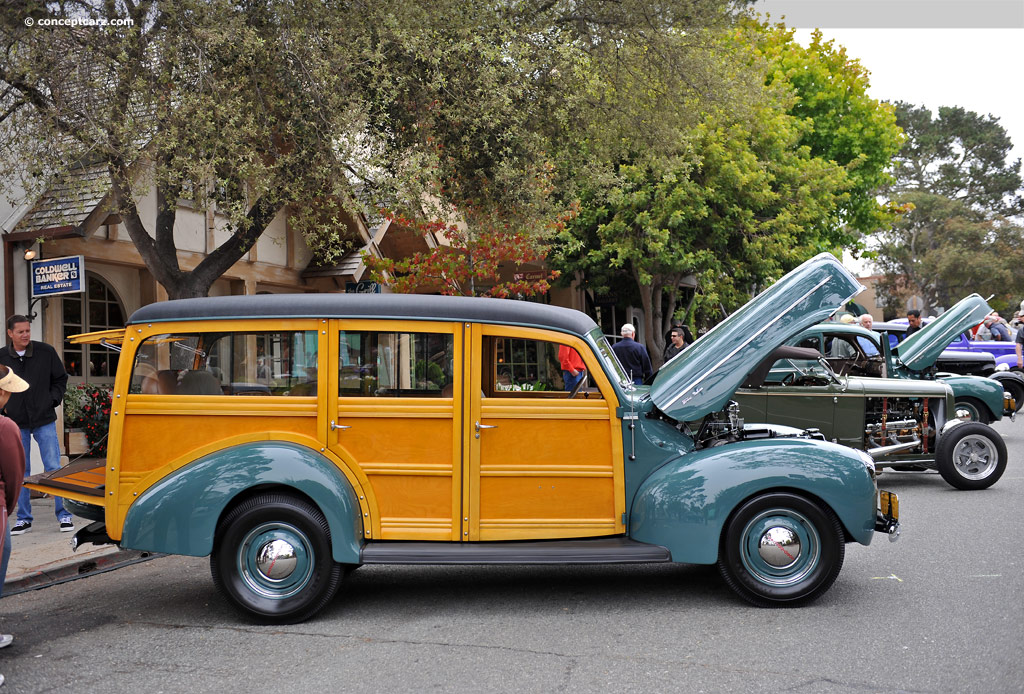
column 973, row 409
column 971, row 456
column 272, row 559
column 781, row 549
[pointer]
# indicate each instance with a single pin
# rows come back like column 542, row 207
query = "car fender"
column 684, row 504
column 179, row 514
column 984, row 389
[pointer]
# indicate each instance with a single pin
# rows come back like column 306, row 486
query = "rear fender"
column 179, row 514
column 685, row 503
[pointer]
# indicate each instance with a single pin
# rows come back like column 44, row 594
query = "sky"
column 967, row 53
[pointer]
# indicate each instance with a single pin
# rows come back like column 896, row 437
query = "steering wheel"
column 788, row 379
column 578, row 387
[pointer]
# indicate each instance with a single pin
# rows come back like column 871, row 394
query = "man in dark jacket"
column 34, row 411
column 633, row 355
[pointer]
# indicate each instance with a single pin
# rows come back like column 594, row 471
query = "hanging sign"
column 57, row 276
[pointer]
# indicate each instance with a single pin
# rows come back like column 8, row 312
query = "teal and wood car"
column 393, row 429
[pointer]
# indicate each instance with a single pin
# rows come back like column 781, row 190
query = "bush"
column 87, row 407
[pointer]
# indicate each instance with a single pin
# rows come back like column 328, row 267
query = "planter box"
column 75, row 442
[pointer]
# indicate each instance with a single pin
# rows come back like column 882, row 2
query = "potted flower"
column 87, row 419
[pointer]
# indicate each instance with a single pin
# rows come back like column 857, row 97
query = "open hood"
column 922, row 349
column 703, row 377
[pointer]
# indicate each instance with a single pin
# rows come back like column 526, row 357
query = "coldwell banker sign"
column 58, row 276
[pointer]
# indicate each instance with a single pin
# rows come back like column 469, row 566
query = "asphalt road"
column 942, row 610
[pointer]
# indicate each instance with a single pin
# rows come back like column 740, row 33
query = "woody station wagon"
column 294, row 437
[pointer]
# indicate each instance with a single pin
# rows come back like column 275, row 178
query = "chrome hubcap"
column 975, row 457
column 779, row 547
column 276, row 560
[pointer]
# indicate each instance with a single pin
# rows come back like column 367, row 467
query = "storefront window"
column 98, row 308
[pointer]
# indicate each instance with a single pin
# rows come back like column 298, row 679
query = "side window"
column 533, row 368
column 265, row 363
column 388, row 364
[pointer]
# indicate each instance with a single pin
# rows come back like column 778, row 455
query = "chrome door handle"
column 480, row 426
column 338, row 426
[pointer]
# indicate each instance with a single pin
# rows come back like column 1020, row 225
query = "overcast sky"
column 934, row 53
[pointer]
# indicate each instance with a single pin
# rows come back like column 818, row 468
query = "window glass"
column 235, row 363
column 96, row 309
column 388, row 364
column 525, row 367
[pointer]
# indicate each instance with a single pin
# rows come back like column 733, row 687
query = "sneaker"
column 66, row 525
column 5, row 640
column 21, row 527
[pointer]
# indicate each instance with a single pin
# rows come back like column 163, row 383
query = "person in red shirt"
column 573, row 368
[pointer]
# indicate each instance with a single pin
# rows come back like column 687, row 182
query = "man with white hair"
column 870, row 348
column 633, row 355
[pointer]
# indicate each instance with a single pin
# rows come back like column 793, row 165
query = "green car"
column 903, row 423
column 852, row 350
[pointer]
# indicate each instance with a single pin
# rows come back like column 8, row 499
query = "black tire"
column 306, row 576
column 971, row 456
column 760, row 573
column 1015, row 387
column 977, row 409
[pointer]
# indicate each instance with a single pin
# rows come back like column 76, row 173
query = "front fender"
column 986, row 390
column 179, row 514
column 684, row 504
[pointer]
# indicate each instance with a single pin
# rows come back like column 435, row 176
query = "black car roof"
column 383, row 306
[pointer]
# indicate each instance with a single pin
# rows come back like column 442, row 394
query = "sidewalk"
column 43, row 555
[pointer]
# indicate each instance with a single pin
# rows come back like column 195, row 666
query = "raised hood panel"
column 922, row 349
column 703, row 378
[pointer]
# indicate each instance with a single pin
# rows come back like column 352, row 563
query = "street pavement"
column 43, row 556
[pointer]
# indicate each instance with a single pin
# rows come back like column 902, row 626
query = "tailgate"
column 83, row 481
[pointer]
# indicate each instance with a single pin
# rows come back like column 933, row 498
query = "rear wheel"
column 781, row 549
column 272, row 559
column 971, row 456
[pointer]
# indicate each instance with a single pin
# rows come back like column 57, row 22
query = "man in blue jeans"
column 35, row 410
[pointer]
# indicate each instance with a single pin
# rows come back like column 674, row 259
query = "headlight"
column 1002, row 367
column 869, row 463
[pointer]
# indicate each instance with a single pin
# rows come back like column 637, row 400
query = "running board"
column 605, row 550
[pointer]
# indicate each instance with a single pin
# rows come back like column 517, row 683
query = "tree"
column 960, row 155
column 943, row 250
column 469, row 264
column 750, row 197
column 957, row 238
column 248, row 107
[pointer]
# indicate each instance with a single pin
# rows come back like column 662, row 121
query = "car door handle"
column 480, row 426
column 338, row 426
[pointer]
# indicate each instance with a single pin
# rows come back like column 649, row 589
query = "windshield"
column 611, row 362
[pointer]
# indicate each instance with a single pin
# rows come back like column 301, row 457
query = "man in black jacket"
column 34, row 410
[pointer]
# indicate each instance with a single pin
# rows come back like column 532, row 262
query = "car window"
column 393, row 364
column 235, row 363
column 520, row 367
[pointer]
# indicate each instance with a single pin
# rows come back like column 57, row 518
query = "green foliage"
column 87, row 407
column 844, row 124
column 748, row 195
column 957, row 238
column 943, row 250
column 960, row 155
column 335, row 109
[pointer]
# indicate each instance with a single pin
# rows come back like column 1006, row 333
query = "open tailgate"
column 82, row 480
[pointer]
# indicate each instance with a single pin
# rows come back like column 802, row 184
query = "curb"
column 72, row 569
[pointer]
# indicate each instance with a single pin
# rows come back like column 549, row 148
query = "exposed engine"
column 727, row 426
column 895, row 421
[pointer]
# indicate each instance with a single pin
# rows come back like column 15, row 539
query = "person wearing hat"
column 12, row 473
column 34, row 411
column 632, row 355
